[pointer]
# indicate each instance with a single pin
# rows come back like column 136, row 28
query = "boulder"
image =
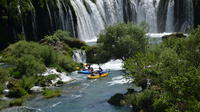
column 116, row 99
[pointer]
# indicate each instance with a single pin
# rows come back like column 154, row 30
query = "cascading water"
column 61, row 14
column 87, row 18
column 34, row 26
column 170, row 17
column 79, row 56
column 188, row 11
column 50, row 16
column 20, row 13
column 92, row 17
column 146, row 11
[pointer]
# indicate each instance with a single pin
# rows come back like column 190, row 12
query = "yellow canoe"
column 97, row 76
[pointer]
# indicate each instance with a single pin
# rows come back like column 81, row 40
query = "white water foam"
column 91, row 40
column 119, row 80
column 61, row 76
column 157, row 35
column 111, row 65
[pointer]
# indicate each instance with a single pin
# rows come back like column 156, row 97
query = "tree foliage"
column 173, row 68
column 122, row 40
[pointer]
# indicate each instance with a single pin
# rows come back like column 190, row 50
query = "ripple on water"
column 54, row 105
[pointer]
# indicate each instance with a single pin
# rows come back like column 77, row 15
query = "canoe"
column 97, row 75
column 84, row 72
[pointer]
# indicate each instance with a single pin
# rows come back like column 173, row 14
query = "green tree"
column 122, row 40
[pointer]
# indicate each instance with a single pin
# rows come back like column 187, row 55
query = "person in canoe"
column 92, row 71
column 89, row 67
column 100, row 71
column 84, row 67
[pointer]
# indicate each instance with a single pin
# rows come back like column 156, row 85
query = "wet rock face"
column 196, row 4
column 116, row 99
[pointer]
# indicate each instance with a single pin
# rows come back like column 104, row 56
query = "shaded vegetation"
column 16, row 102
column 172, row 69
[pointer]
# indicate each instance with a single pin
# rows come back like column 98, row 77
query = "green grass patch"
column 51, row 93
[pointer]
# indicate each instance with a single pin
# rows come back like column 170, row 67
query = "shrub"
column 142, row 100
column 65, row 37
column 30, row 58
column 4, row 75
column 28, row 65
column 123, row 40
column 45, row 80
column 17, row 92
column 51, row 93
column 1, row 88
column 95, row 54
column 27, row 82
column 16, row 102
column 175, row 69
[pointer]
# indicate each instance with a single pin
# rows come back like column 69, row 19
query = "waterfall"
column 34, row 26
column 61, row 14
column 87, row 18
column 72, row 22
column 170, row 17
column 79, row 56
column 50, row 17
column 93, row 17
column 144, row 11
column 188, row 15
column 21, row 19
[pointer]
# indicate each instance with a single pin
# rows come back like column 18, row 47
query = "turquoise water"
column 82, row 95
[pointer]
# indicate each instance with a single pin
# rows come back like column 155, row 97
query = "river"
column 82, row 95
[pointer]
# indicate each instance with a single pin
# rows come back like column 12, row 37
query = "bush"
column 122, row 40
column 51, row 93
column 142, row 100
column 31, row 58
column 41, row 53
column 16, row 102
column 27, row 83
column 45, row 80
column 66, row 62
column 63, row 36
column 175, row 69
column 4, row 75
column 1, row 88
column 95, row 55
column 28, row 65
column 17, row 92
